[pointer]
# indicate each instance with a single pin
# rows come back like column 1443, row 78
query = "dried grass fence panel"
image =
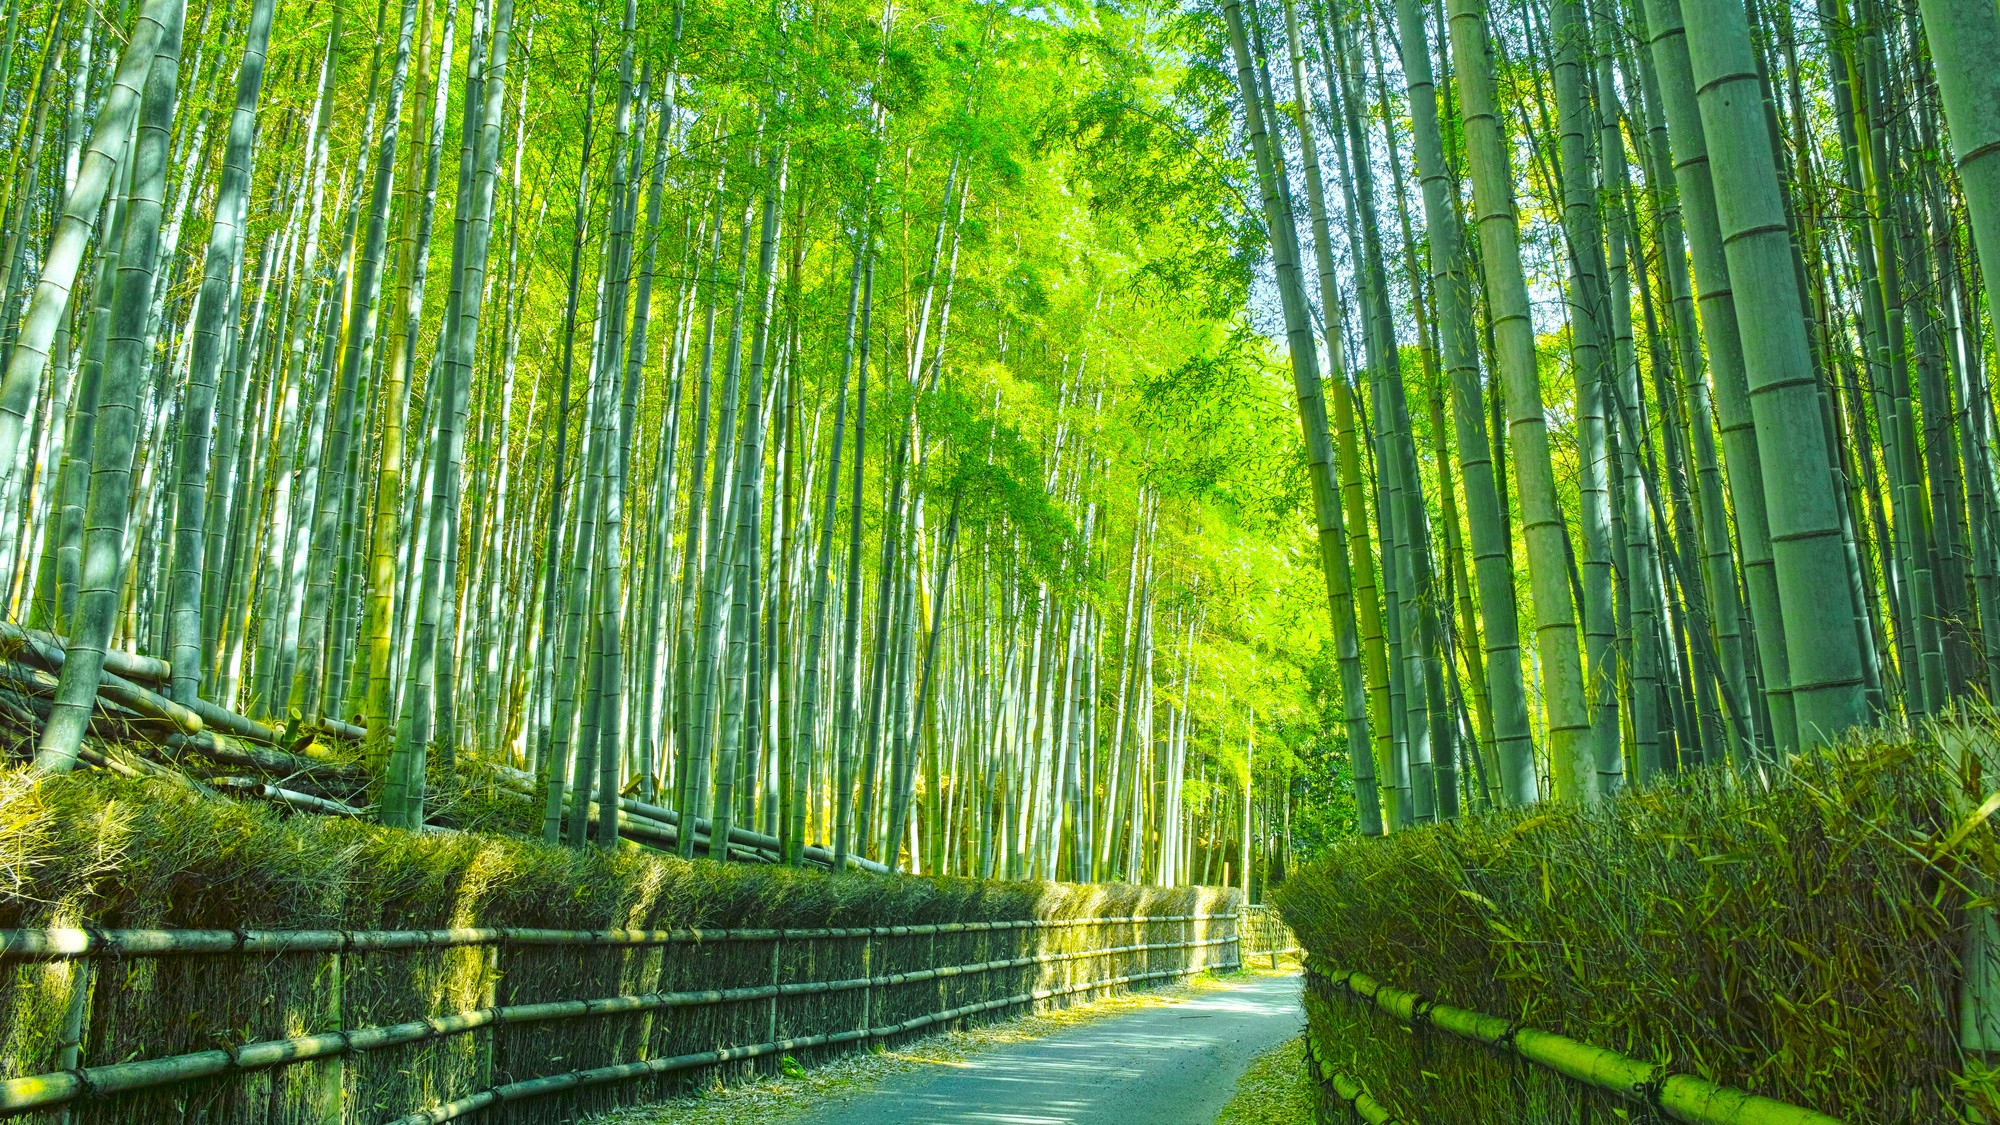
column 317, row 1026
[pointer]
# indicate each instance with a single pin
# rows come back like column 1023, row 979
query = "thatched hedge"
column 1800, row 942
column 93, row 851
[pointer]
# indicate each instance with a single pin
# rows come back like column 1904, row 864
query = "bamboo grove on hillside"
column 844, row 422
column 1758, row 508
column 736, row 408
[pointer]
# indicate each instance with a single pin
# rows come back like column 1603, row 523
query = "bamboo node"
column 81, row 1076
column 1650, row 1091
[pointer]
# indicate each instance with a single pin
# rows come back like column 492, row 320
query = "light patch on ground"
column 773, row 1099
column 1274, row 1091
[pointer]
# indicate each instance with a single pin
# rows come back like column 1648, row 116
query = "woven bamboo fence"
column 1265, row 935
column 316, row 1026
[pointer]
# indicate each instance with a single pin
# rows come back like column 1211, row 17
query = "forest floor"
column 1168, row 1057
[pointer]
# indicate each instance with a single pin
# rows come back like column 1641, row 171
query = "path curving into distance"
column 1174, row 1065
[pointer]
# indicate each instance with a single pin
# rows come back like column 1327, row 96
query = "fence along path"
column 658, row 1006
column 1650, row 1086
column 1266, row 935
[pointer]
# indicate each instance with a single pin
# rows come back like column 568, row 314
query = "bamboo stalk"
column 47, row 650
column 115, row 689
column 222, row 748
column 130, row 665
column 255, row 787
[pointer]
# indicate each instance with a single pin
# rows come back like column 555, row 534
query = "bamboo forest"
column 1491, row 504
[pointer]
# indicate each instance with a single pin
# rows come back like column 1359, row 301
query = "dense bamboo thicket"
column 864, row 425
column 831, row 420
column 1714, row 269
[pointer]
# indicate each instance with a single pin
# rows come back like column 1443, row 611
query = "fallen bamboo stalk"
column 129, row 664
column 756, row 845
column 667, row 836
column 337, row 728
column 26, row 701
column 105, row 756
column 89, row 756
column 747, row 837
column 57, row 1087
column 223, row 749
column 1684, row 1097
column 305, row 801
column 64, row 943
column 217, row 718
column 120, row 690
column 50, row 651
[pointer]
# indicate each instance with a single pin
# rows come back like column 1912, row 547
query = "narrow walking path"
column 1175, row 1065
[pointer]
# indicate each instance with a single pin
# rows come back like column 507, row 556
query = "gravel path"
column 1175, row 1065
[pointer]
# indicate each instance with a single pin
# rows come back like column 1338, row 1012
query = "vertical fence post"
column 868, row 989
column 777, row 946
column 69, row 1047
column 489, row 995
column 333, row 1110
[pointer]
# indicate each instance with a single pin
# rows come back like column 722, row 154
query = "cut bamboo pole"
column 254, row 787
column 225, row 750
column 128, row 664
column 112, row 688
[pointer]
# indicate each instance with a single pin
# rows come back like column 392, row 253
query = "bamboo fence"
column 1341, row 1088
column 1266, row 935
column 303, row 1026
column 1681, row 1097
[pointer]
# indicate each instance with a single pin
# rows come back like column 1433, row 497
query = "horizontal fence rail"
column 815, row 990
column 1352, row 1096
column 84, row 942
column 1683, row 1097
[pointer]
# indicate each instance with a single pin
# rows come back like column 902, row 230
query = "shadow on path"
column 1176, row 1065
